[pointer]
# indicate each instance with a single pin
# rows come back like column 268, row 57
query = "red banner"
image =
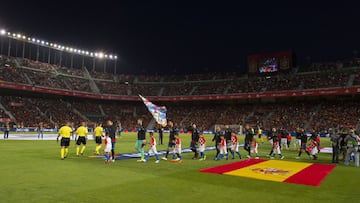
column 280, row 94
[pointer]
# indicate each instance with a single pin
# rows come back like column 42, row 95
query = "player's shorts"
column 202, row 148
column 255, row 148
column 223, row 150
column 98, row 140
column 107, row 148
column 303, row 146
column 235, row 147
column 171, row 145
column 193, row 144
column 283, row 141
column 177, row 150
column 153, row 150
column 65, row 142
column 228, row 144
column 81, row 140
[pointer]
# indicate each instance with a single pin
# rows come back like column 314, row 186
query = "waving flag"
column 158, row 112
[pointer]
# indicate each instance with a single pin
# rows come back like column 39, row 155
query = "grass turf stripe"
column 312, row 175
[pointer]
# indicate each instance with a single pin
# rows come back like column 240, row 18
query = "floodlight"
column 47, row 43
column 111, row 56
column 115, row 57
column 9, row 33
column 23, row 37
column 71, row 49
column 42, row 42
column 2, row 32
column 14, row 35
column 83, row 52
column 87, row 53
column 38, row 41
column 33, row 39
column 18, row 35
column 101, row 55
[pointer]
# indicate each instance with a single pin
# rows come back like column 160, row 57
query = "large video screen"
column 270, row 62
column 268, row 65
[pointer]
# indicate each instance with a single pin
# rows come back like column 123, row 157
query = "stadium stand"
column 319, row 114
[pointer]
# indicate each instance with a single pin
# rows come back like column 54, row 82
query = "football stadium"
column 76, row 128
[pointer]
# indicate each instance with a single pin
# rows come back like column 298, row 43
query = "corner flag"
column 158, row 112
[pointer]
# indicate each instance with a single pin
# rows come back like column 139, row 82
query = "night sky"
column 191, row 36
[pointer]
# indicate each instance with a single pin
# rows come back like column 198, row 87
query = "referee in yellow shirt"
column 81, row 133
column 98, row 132
column 64, row 132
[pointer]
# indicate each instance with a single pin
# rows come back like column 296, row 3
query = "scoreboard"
column 270, row 62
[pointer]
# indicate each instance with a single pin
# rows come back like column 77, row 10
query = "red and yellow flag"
column 276, row 170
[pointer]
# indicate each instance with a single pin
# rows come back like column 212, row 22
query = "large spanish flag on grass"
column 276, row 170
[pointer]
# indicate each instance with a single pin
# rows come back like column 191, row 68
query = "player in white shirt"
column 235, row 146
column 223, row 148
column 202, row 142
column 177, row 149
column 107, row 148
column 152, row 149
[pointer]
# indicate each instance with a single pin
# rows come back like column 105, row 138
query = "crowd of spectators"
column 317, row 75
column 319, row 114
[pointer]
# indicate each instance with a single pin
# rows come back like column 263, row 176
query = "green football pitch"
column 31, row 171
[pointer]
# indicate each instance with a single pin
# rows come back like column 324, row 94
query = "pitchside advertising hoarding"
column 270, row 62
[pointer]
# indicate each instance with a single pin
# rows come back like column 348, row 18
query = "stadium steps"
column 351, row 80
column 309, row 122
column 161, row 91
column 94, row 88
column 6, row 111
column 77, row 112
column 193, row 90
column 102, row 110
column 151, row 124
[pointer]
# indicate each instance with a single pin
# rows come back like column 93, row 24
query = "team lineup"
column 226, row 143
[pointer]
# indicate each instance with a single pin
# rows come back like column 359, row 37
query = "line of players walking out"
column 344, row 142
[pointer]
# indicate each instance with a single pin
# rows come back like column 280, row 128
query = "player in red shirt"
column 202, row 142
column 223, row 148
column 177, row 149
column 235, row 146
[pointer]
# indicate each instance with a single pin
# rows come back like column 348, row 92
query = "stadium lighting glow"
column 18, row 36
